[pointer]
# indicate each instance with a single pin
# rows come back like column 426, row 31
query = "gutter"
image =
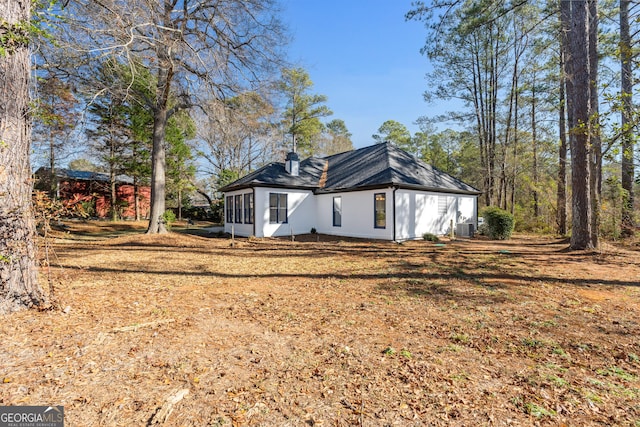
column 394, row 213
column 398, row 186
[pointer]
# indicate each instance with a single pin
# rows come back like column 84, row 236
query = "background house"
column 94, row 188
column 377, row 192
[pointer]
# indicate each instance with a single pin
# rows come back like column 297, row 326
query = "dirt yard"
column 329, row 333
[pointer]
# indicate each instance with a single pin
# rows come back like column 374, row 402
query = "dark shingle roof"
column 378, row 166
column 84, row 175
column 275, row 175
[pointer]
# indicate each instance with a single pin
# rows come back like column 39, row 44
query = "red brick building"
column 94, row 189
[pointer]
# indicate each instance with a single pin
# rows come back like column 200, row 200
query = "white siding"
column 357, row 214
column 419, row 212
column 301, row 213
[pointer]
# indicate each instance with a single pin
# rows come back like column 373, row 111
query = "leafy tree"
column 237, row 134
column 396, row 133
column 55, row 117
column 440, row 149
column 190, row 46
column 337, row 138
column 19, row 286
column 303, row 110
column 180, row 169
column 84, row 165
column 110, row 138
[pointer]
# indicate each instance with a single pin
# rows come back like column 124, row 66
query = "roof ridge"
column 388, row 153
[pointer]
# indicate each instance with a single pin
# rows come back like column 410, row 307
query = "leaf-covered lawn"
column 273, row 332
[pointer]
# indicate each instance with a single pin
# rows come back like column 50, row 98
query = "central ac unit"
column 465, row 229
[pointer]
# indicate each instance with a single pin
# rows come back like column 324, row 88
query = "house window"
column 248, row 208
column 380, row 210
column 277, row 208
column 337, row 211
column 238, row 208
column 229, row 209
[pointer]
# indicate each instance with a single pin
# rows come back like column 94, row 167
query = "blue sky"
column 364, row 57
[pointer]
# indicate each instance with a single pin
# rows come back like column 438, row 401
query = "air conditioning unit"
column 465, row 229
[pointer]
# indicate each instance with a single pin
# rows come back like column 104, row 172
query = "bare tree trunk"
column 628, row 221
column 594, row 123
column 513, row 106
column 534, row 143
column 561, row 217
column 158, row 159
column 19, row 287
column 136, row 198
column 53, row 181
column 565, row 12
column 516, row 129
column 158, row 175
column 578, row 72
column 112, row 180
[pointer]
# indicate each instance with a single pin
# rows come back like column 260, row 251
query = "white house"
column 376, row 192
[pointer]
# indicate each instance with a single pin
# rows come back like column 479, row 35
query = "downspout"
column 253, row 220
column 394, row 213
column 477, row 215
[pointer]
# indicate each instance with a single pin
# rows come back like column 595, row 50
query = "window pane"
column 273, row 207
column 337, row 211
column 229, row 208
column 248, row 208
column 238, row 208
column 282, row 214
column 380, row 210
column 277, row 208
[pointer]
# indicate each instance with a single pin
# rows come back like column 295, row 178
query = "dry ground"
column 275, row 333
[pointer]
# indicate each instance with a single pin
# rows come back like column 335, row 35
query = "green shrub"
column 500, row 223
column 168, row 217
column 430, row 237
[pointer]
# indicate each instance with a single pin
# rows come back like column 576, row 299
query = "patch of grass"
column 538, row 411
column 593, row 310
column 453, row 348
column 462, row 376
column 630, row 393
column 617, row 372
column 460, row 338
column 532, row 342
column 558, row 350
column 405, row 353
column 592, row 397
column 545, row 324
column 389, row 351
column 596, row 382
column 555, row 367
column 558, row 381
